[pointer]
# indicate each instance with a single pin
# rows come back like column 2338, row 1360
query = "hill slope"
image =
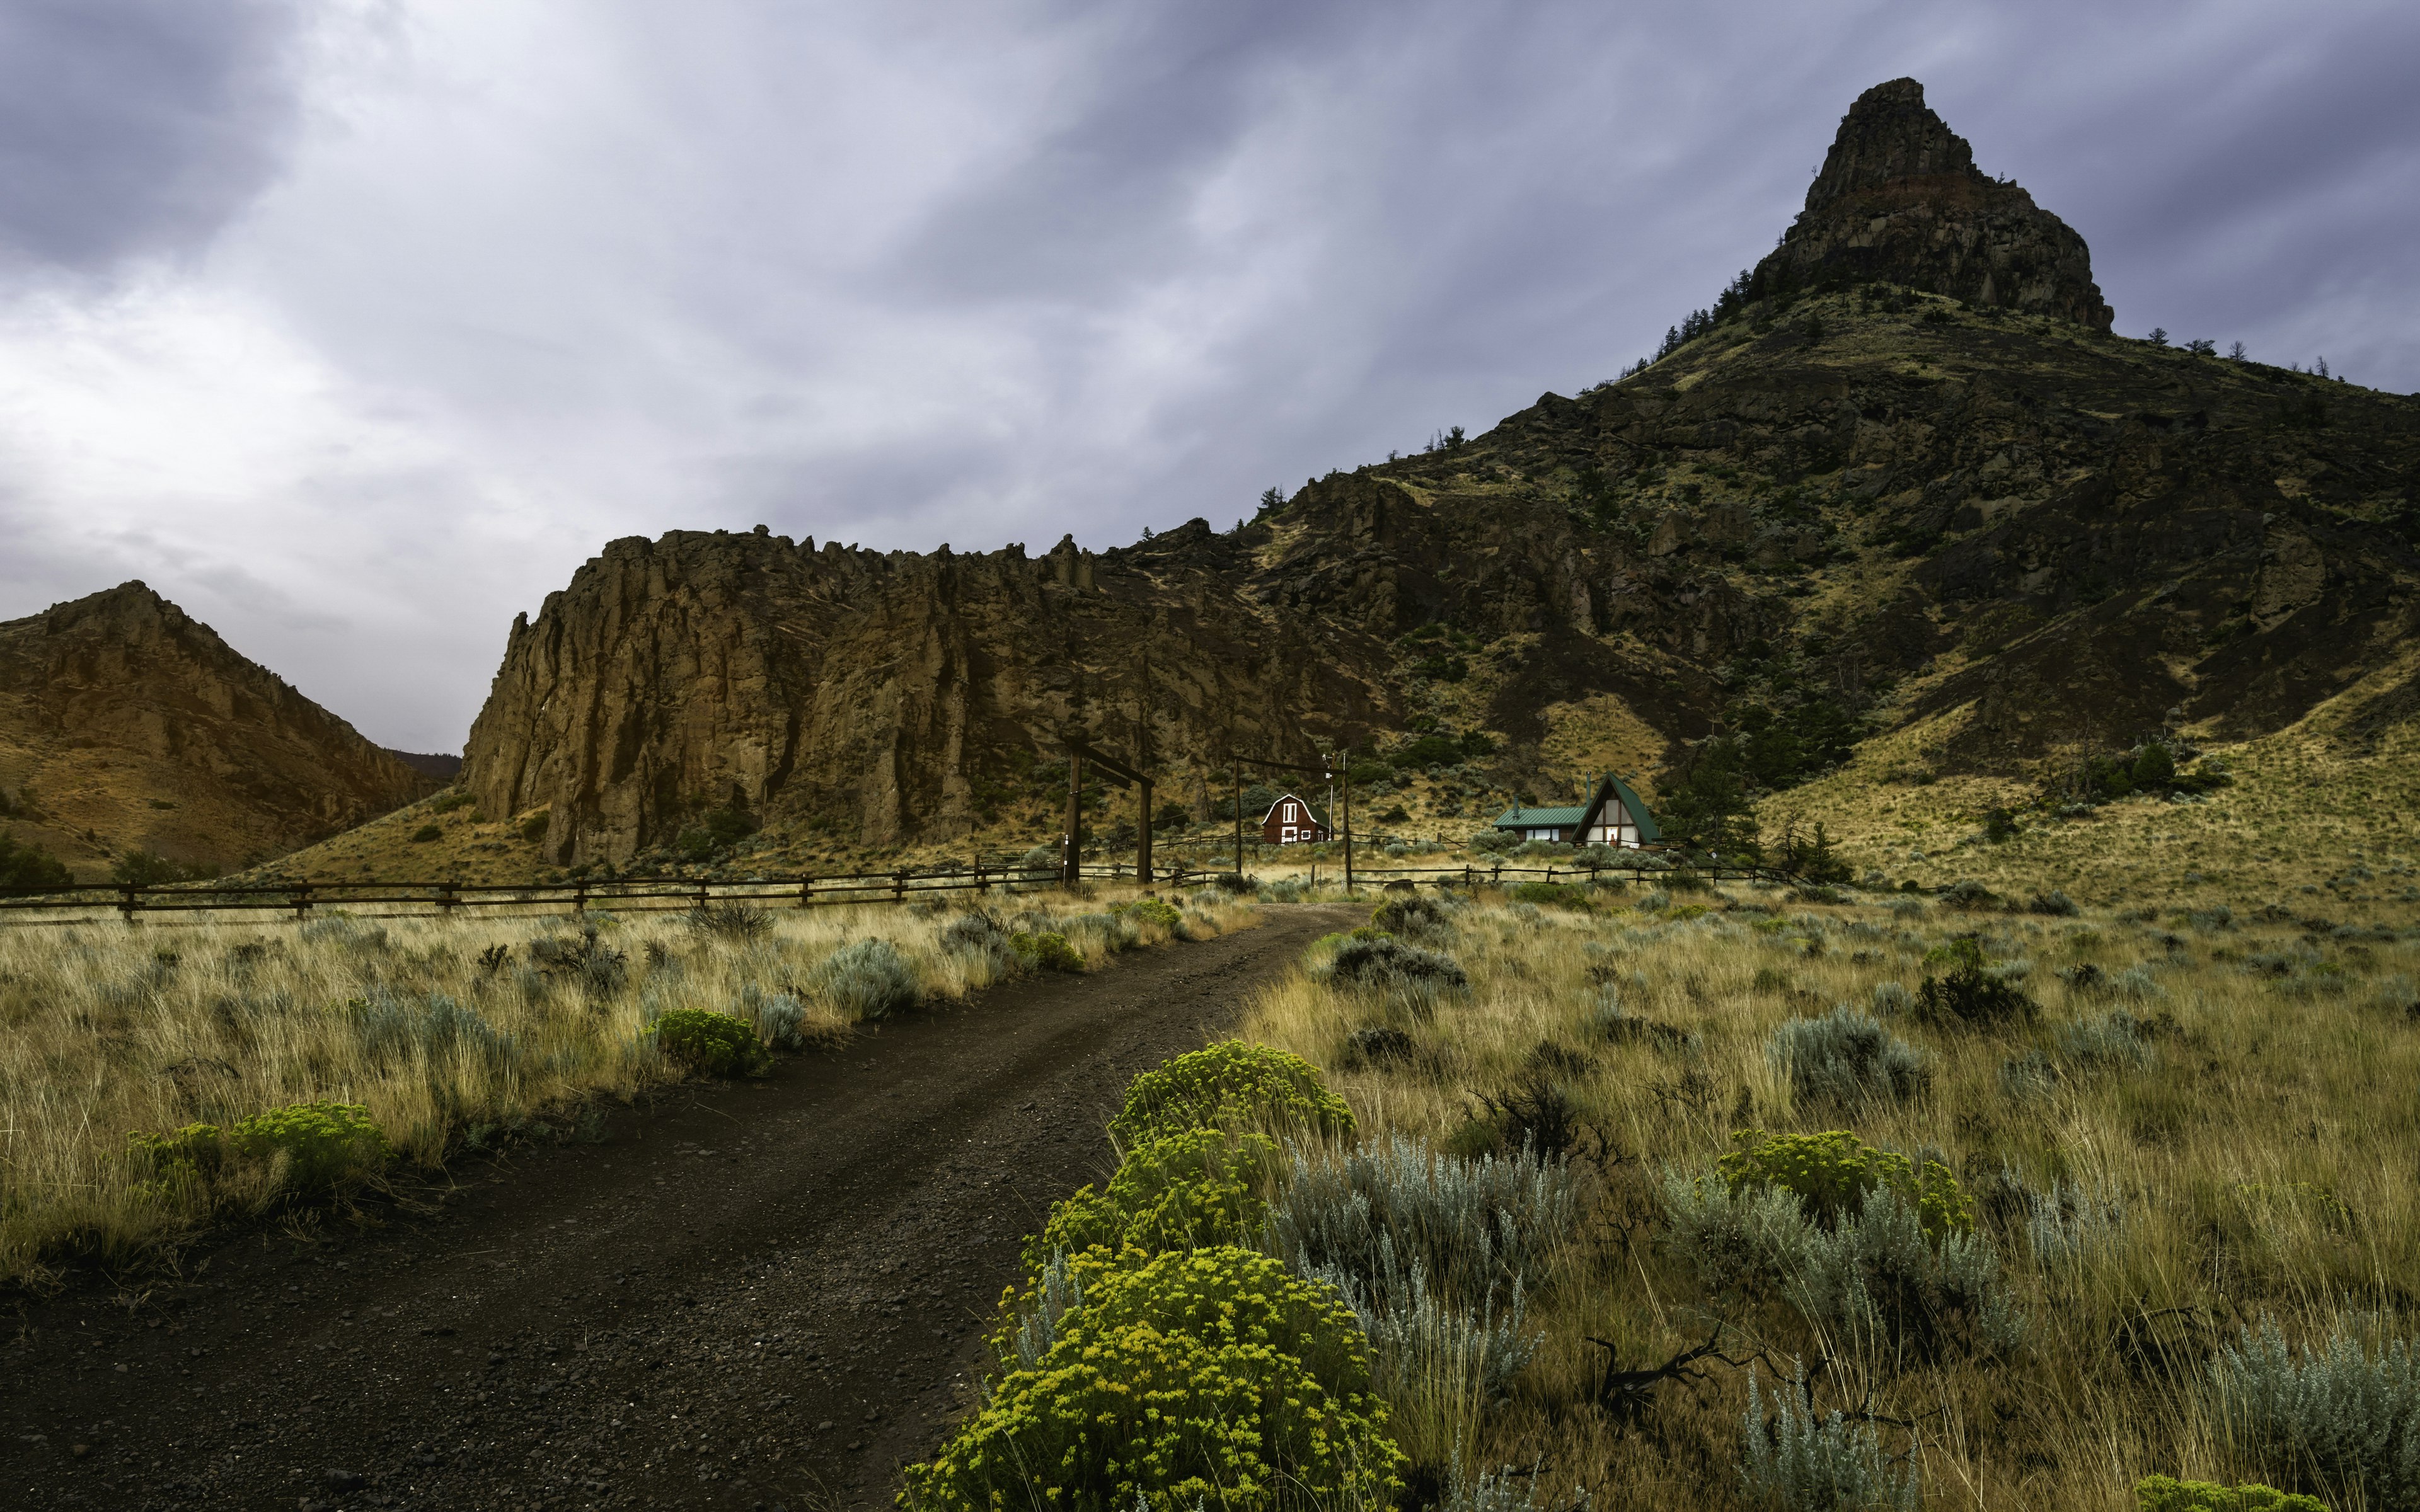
column 1899, row 478
column 126, row 724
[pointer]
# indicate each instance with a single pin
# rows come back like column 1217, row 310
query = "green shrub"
column 30, row 867
column 1230, row 1082
column 1153, row 911
column 533, row 829
column 2158, row 1493
column 1047, row 951
column 1188, row 1191
column 448, row 802
column 427, row 833
column 1411, row 916
column 1472, row 1225
column 733, row 921
column 196, row 1151
column 1203, row 1377
column 1797, row 1462
column 326, row 1147
column 1846, row 1057
column 1550, row 894
column 2335, row 1412
column 1832, row 1173
column 1969, row 996
column 1969, row 894
column 1375, row 959
column 866, row 980
column 714, row 1044
column 392, row 1028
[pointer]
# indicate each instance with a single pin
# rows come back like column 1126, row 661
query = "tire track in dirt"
column 770, row 1294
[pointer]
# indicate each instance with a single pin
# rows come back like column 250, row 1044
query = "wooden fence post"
column 126, row 903
column 806, row 890
column 301, row 899
column 899, row 886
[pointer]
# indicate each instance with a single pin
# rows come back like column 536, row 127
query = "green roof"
column 1638, row 814
column 1534, row 818
column 1572, row 818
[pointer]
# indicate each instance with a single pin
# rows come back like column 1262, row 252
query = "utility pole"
column 1347, row 757
column 1074, row 818
column 1235, row 768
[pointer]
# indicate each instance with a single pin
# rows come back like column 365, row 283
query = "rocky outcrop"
column 885, row 696
column 1900, row 200
column 134, row 725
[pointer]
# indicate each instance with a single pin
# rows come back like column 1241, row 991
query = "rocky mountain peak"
column 1890, row 134
column 1900, row 200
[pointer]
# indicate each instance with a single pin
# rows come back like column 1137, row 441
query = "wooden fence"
column 85, row 901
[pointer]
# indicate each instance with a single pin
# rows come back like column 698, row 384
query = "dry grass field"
column 444, row 1031
column 2181, row 1131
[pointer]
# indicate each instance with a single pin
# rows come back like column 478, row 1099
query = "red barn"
column 1290, row 820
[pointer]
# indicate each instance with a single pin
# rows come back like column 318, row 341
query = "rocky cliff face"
column 1906, row 477
column 134, row 725
column 885, row 696
column 1900, row 200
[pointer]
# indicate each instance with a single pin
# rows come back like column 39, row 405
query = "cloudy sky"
column 354, row 327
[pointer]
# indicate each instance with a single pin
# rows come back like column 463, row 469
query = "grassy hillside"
column 2314, row 819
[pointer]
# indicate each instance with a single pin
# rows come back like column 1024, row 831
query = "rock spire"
column 1900, row 200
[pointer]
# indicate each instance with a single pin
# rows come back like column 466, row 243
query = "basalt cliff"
column 125, row 725
column 1903, row 476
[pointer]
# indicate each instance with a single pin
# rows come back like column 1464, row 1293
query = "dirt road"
column 763, row 1295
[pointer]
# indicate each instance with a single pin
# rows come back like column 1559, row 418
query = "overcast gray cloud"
column 136, row 125
column 355, row 328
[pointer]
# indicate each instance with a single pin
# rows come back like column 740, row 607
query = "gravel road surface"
column 762, row 1295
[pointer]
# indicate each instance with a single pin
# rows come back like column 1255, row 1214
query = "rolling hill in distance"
column 1894, row 532
column 127, row 726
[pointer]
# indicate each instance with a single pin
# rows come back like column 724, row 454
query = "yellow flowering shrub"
column 1230, row 1082
column 1197, row 1188
column 1212, row 1374
column 1831, row 1172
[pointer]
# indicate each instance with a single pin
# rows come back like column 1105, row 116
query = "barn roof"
column 1316, row 817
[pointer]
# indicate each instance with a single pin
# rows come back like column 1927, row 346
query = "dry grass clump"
column 2165, row 1139
column 438, row 1028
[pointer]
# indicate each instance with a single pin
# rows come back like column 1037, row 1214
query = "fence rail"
column 633, row 895
column 653, row 894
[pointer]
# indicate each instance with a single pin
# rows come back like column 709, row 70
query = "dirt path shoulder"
column 770, row 1294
